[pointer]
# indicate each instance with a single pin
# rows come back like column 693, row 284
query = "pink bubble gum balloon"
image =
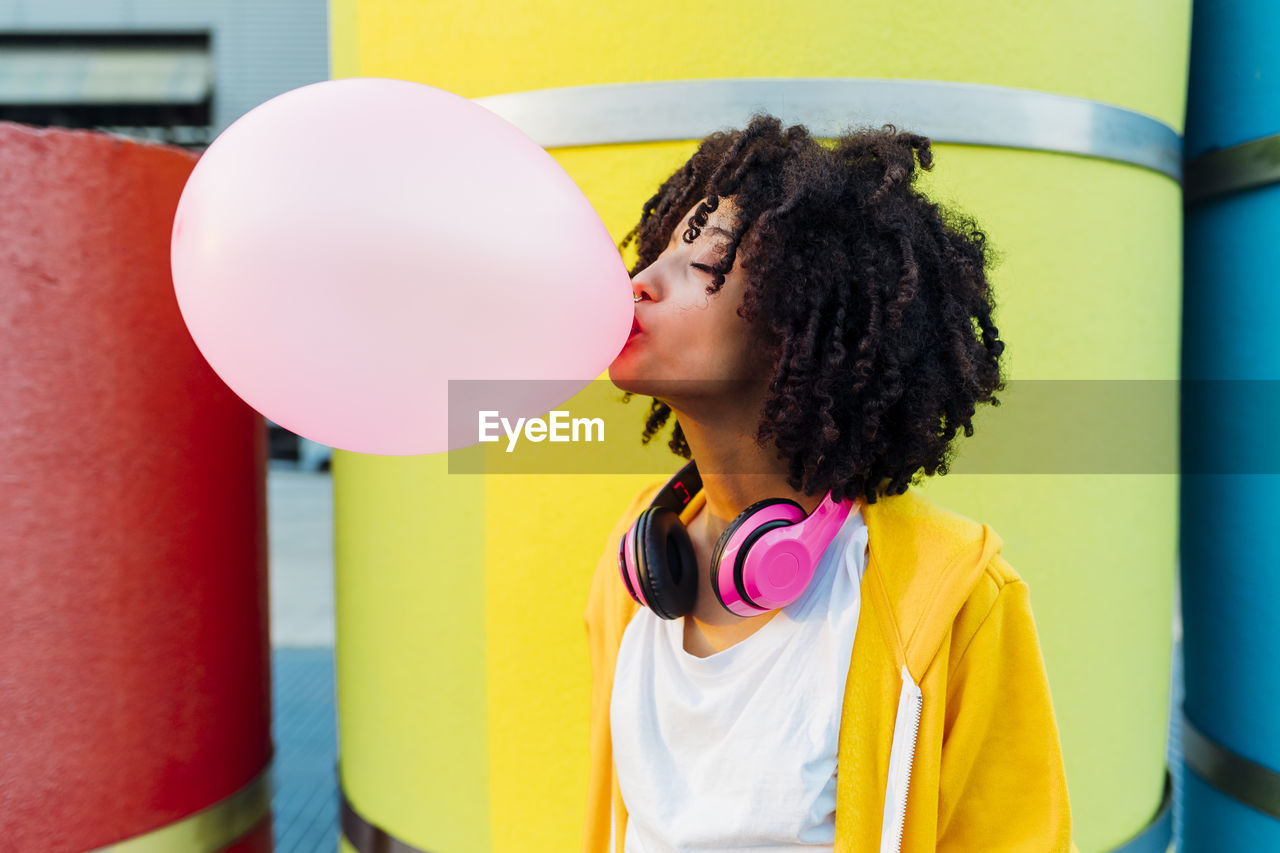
column 343, row 250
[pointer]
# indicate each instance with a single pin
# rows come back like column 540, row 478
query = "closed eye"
column 703, row 267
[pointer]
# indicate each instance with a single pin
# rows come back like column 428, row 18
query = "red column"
column 134, row 672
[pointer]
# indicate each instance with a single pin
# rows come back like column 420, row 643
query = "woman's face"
column 684, row 333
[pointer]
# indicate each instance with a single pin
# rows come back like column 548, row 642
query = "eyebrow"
column 713, row 228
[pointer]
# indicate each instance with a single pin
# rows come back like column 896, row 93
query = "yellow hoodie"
column 948, row 739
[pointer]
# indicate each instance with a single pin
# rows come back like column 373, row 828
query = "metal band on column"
column 1228, row 170
column 365, row 836
column 946, row 112
column 213, row 828
column 1232, row 774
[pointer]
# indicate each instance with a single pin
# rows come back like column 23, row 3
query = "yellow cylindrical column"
column 463, row 678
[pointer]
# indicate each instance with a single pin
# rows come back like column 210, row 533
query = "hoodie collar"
column 924, row 562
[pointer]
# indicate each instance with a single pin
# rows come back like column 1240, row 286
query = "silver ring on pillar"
column 1228, row 170
column 1238, row 777
column 946, row 112
column 364, row 835
column 212, row 828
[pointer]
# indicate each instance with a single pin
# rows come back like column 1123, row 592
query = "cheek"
column 727, row 351
column 714, row 337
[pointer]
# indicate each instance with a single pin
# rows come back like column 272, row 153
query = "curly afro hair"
column 875, row 299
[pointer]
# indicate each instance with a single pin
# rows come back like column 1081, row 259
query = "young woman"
column 790, row 648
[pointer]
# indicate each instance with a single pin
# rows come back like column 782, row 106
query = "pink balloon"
column 343, row 250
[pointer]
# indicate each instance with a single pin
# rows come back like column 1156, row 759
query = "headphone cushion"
column 665, row 563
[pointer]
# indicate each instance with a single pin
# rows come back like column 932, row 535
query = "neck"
column 735, row 472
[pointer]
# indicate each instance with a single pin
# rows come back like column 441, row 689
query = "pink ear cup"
column 770, row 555
column 755, row 520
column 623, row 569
column 627, row 566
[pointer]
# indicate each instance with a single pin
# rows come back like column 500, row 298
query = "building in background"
column 175, row 71
column 172, row 71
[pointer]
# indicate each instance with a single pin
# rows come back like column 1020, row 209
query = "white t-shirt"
column 738, row 750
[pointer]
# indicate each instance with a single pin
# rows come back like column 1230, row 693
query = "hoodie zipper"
column 906, row 727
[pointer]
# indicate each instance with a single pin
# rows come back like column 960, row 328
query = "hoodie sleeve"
column 608, row 610
column 1002, row 780
column 602, row 631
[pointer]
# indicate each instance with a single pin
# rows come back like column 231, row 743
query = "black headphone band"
column 680, row 489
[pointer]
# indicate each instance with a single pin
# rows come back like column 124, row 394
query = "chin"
column 625, row 380
column 660, row 391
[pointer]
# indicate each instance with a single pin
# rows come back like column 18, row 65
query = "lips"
column 635, row 326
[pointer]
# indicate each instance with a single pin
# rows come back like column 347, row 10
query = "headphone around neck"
column 768, row 553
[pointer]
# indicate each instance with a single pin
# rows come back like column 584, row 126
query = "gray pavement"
column 305, row 800
column 300, row 536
